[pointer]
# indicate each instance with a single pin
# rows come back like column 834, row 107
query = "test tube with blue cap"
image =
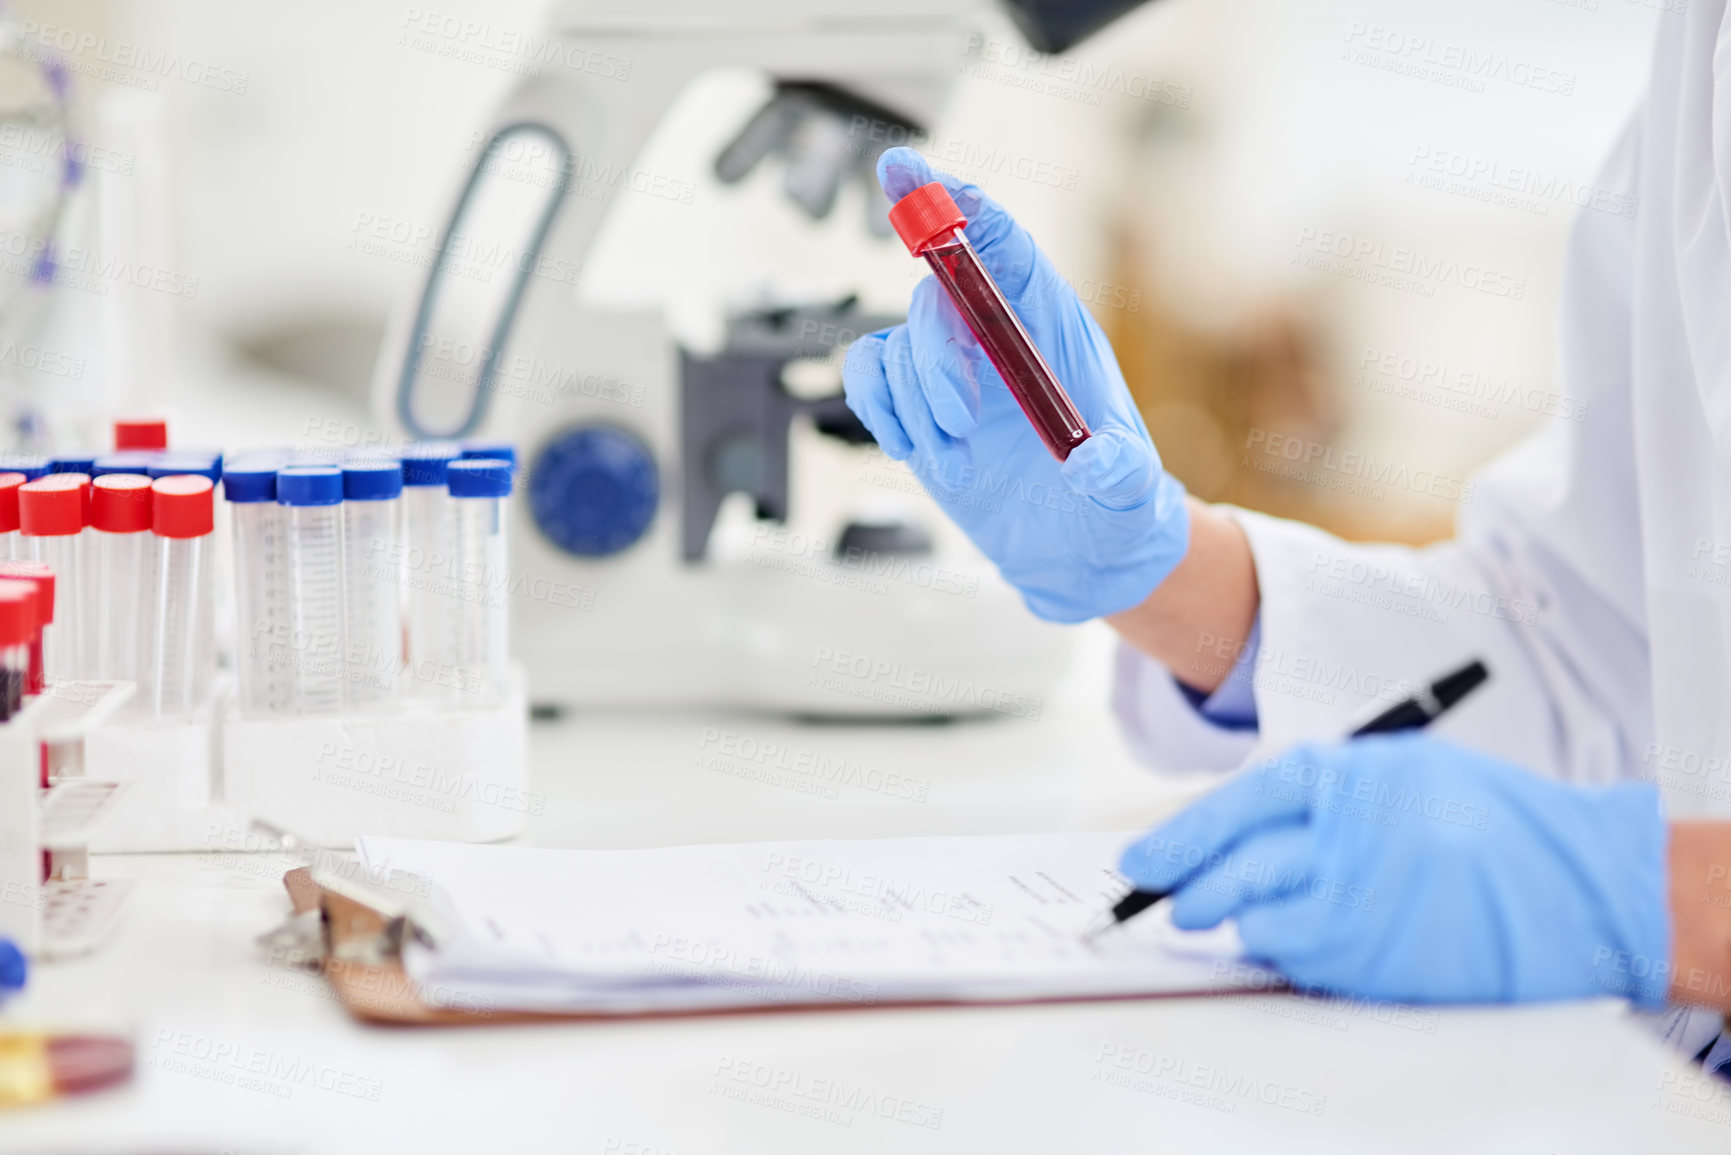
column 72, row 462
column 372, row 580
column 429, row 530
column 312, row 498
column 478, row 490
column 260, row 586
column 137, row 461
column 31, row 465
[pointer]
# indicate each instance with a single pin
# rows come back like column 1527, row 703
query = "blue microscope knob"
column 593, row 490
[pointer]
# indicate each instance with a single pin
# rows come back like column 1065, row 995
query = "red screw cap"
column 924, row 215
column 9, row 483
column 121, row 503
column 17, row 613
column 182, row 506
column 53, row 506
column 141, row 433
column 38, row 575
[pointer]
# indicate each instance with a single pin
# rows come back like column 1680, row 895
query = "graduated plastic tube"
column 260, row 588
column 311, row 497
column 930, row 224
column 51, row 514
column 120, row 520
column 372, row 581
column 428, row 532
column 478, row 490
column 179, row 663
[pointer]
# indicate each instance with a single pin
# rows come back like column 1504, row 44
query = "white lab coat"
column 1592, row 568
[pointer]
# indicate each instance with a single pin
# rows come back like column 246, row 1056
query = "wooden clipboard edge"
column 382, row 992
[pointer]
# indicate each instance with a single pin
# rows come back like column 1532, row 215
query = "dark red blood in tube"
column 930, row 224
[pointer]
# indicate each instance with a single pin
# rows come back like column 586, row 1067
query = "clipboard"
column 353, row 934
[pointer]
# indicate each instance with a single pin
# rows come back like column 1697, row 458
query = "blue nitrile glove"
column 12, row 967
column 1404, row 867
column 1092, row 536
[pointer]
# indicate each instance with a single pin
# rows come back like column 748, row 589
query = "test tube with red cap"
column 141, row 433
column 51, row 515
column 41, row 579
column 9, row 543
column 120, row 520
column 17, row 624
column 182, row 516
column 930, row 224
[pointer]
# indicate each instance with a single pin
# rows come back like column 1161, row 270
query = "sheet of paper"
column 843, row 921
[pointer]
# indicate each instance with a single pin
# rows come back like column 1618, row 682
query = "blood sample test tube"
column 42, row 579
column 178, row 666
column 478, row 491
column 930, row 224
column 51, row 512
column 10, row 546
column 260, row 587
column 312, row 498
column 17, row 623
column 141, row 433
column 372, row 581
column 428, row 532
column 121, row 509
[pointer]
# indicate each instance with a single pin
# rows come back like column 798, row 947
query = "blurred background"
column 1325, row 237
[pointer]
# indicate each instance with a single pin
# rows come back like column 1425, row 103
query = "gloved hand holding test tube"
column 1081, row 519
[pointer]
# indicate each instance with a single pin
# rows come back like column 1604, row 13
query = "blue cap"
column 126, row 461
column 309, row 485
column 176, row 464
column 72, row 462
column 12, row 966
column 250, row 479
column 424, row 462
column 480, row 477
column 498, row 450
column 372, row 479
column 30, row 465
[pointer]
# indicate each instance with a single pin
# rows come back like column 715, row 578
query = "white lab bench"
column 235, row 1055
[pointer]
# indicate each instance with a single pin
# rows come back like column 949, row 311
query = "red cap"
column 924, row 215
column 183, row 506
column 53, row 506
column 17, row 613
column 9, row 483
column 140, row 433
column 120, row 503
column 38, row 575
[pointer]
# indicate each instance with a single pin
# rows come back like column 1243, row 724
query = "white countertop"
column 235, row 1055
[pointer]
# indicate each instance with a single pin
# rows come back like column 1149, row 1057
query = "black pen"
column 1412, row 713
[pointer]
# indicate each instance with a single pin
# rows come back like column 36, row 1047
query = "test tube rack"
column 49, row 905
column 417, row 770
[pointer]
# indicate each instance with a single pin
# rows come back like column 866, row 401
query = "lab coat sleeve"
column 1543, row 581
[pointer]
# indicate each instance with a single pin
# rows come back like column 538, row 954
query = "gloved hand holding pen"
column 1408, row 868
column 1091, row 536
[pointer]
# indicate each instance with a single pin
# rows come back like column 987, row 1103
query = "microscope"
column 629, row 587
